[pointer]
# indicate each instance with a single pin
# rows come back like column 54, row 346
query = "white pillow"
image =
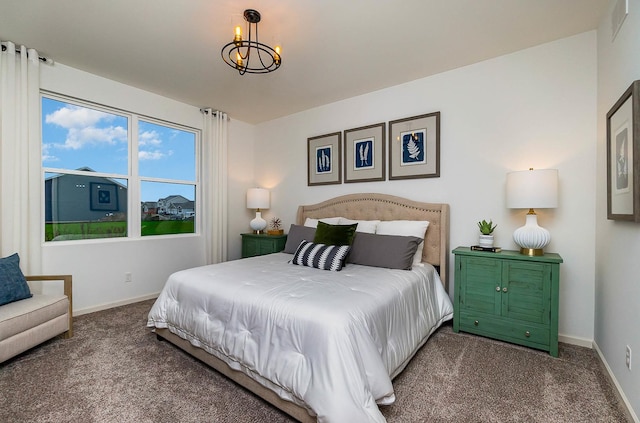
column 313, row 223
column 367, row 226
column 405, row 228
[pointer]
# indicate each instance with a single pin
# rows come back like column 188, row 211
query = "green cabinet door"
column 528, row 291
column 481, row 290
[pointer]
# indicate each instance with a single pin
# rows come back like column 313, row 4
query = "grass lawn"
column 86, row 230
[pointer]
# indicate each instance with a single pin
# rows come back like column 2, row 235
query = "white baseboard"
column 630, row 411
column 114, row 304
column 573, row 340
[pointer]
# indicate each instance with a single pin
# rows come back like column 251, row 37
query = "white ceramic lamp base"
column 258, row 224
column 532, row 238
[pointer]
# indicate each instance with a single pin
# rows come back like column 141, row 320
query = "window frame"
column 133, row 178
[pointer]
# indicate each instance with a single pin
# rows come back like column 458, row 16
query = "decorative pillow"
column 313, row 223
column 320, row 256
column 296, row 235
column 13, row 285
column 390, row 251
column 415, row 228
column 334, row 234
column 368, row 226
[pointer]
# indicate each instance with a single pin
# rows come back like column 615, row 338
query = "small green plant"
column 486, row 228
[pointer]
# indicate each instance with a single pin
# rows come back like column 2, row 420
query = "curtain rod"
column 213, row 112
column 41, row 58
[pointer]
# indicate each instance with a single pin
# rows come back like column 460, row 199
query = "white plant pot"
column 486, row 241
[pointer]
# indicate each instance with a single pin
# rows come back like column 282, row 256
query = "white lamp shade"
column 257, row 198
column 532, row 189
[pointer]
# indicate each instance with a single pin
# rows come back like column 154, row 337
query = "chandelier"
column 238, row 53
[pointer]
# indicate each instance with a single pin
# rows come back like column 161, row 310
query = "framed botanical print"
column 623, row 156
column 414, row 147
column 364, row 159
column 323, row 161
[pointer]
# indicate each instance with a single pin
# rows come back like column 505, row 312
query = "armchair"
column 29, row 322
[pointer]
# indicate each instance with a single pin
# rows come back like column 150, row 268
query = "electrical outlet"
column 628, row 357
column 127, row 277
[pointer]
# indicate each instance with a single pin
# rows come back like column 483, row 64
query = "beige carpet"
column 115, row 370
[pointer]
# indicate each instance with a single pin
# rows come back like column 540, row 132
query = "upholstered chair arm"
column 68, row 291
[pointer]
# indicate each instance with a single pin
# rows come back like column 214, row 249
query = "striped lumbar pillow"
column 320, row 256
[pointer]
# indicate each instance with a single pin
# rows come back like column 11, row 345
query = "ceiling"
column 331, row 49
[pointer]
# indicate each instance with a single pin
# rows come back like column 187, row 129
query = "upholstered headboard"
column 389, row 207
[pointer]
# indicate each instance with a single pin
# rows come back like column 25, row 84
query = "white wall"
column 534, row 108
column 617, row 321
column 98, row 267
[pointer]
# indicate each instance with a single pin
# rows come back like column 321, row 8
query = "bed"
column 320, row 345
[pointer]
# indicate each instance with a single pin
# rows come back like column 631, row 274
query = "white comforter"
column 330, row 341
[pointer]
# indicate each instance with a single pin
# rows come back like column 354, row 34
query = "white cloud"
column 149, row 138
column 46, row 156
column 82, row 127
column 90, row 135
column 77, row 117
column 153, row 155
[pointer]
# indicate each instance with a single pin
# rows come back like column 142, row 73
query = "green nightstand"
column 508, row 296
column 261, row 244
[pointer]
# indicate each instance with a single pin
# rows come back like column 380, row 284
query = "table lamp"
column 532, row 189
column 258, row 198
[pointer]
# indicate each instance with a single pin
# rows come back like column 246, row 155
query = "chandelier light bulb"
column 276, row 56
column 238, row 36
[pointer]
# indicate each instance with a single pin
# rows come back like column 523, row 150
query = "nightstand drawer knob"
column 497, row 288
column 504, row 289
column 475, row 323
column 527, row 334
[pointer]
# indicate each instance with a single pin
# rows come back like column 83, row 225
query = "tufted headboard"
column 389, row 207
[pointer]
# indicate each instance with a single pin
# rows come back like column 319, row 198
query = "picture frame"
column 414, row 147
column 623, row 156
column 324, row 156
column 364, row 154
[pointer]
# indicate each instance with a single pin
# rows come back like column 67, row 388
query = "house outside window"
column 99, row 161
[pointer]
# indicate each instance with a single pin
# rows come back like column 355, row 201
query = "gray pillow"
column 296, row 235
column 390, row 251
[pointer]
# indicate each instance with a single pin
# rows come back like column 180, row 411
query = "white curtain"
column 214, row 182
column 20, row 157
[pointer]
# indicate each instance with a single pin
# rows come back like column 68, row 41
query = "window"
column 98, row 161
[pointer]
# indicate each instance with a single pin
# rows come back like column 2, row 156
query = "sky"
column 74, row 137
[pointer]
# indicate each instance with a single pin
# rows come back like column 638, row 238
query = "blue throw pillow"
column 320, row 256
column 13, row 285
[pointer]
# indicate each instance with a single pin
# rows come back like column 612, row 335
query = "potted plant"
column 274, row 227
column 486, row 231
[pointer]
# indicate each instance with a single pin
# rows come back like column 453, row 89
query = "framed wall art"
column 323, row 162
column 623, row 156
column 414, row 147
column 364, row 159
